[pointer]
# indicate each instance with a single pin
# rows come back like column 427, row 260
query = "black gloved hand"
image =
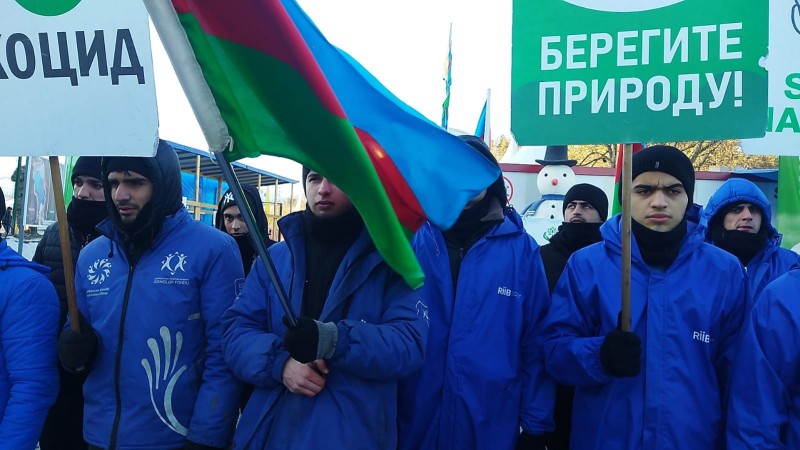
column 194, row 446
column 310, row 339
column 621, row 354
column 77, row 350
column 529, row 441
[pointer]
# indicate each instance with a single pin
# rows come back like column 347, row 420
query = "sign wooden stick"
column 625, row 312
column 66, row 245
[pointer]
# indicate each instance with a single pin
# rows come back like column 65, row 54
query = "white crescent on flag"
column 622, row 5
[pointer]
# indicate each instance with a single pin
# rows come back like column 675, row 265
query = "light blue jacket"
column 160, row 377
column 764, row 409
column 687, row 317
column 484, row 375
column 381, row 339
column 771, row 262
column 28, row 333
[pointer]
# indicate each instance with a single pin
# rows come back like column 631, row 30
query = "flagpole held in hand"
column 255, row 232
column 627, row 172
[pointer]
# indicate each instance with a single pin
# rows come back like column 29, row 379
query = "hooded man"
column 151, row 291
column 585, row 209
column 661, row 385
column 738, row 219
column 331, row 380
column 63, row 428
column 28, row 330
column 486, row 293
column 229, row 219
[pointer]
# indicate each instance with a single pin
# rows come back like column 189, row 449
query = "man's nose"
column 659, row 199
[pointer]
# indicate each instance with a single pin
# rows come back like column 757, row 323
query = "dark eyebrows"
column 650, row 187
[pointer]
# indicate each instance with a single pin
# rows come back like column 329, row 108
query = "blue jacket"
column 28, row 333
column 687, row 318
column 381, row 339
column 159, row 377
column 484, row 375
column 764, row 408
column 771, row 262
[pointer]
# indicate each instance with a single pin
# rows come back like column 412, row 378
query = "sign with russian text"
column 604, row 71
column 783, row 65
column 76, row 78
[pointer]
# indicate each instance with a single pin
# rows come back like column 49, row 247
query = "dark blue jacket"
column 771, row 262
column 687, row 317
column 28, row 333
column 160, row 377
column 484, row 375
column 764, row 409
column 381, row 338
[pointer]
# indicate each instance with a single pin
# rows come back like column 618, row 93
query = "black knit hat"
column 498, row 188
column 592, row 195
column 665, row 159
column 87, row 166
column 130, row 163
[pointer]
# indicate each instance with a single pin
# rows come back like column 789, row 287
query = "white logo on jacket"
column 163, row 376
column 507, row 292
column 422, row 310
column 174, row 262
column 701, row 336
column 99, row 271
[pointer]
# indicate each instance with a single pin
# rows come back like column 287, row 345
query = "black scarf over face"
column 575, row 236
column 84, row 215
column 327, row 241
column 469, row 227
column 741, row 244
column 659, row 248
column 247, row 251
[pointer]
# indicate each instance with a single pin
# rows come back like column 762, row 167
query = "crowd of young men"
column 502, row 334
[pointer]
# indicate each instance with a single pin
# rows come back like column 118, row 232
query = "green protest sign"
column 589, row 71
column 788, row 220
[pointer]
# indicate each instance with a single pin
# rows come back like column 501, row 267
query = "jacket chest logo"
column 173, row 263
column 99, row 271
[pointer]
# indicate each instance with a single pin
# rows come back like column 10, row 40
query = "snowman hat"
column 556, row 155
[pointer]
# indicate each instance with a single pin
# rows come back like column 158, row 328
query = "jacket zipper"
column 118, row 364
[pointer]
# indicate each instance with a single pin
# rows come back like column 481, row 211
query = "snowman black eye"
column 545, row 175
column 565, row 175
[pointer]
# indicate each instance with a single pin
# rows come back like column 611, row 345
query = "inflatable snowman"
column 553, row 181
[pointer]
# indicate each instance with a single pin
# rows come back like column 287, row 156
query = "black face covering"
column 84, row 215
column 659, row 248
column 469, row 222
column 741, row 244
column 575, row 236
column 247, row 251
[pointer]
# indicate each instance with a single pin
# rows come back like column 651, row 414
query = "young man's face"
column 88, row 188
column 578, row 211
column 658, row 201
column 234, row 224
column 743, row 217
column 130, row 192
column 325, row 200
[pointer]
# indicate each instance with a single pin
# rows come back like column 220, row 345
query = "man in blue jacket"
column 487, row 295
column 738, row 219
column 151, row 292
column 28, row 330
column 764, row 408
column 331, row 381
column 661, row 385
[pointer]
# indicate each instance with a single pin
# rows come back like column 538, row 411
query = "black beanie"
column 497, row 189
column 130, row 163
column 592, row 195
column 87, row 166
column 666, row 159
column 306, row 171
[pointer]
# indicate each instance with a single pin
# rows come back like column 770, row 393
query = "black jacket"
column 48, row 253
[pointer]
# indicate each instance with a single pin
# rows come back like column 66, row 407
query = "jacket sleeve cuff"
column 278, row 364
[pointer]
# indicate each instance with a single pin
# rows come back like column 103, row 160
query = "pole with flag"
column 448, row 80
column 484, row 128
column 616, row 207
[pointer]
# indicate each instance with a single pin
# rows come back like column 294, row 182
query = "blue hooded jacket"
column 771, row 262
column 484, row 375
column 687, row 317
column 764, row 408
column 28, row 333
column 381, row 339
column 159, row 377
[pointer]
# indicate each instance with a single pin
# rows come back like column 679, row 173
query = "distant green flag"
column 788, row 220
column 69, row 164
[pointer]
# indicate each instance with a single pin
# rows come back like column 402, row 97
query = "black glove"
column 77, row 350
column 621, row 354
column 310, row 340
column 529, row 441
column 194, row 446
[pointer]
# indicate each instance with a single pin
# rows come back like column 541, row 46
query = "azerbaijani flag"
column 483, row 130
column 448, row 80
column 262, row 79
column 616, row 207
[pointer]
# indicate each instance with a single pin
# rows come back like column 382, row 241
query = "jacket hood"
column 164, row 170
column 256, row 205
column 10, row 258
column 738, row 190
